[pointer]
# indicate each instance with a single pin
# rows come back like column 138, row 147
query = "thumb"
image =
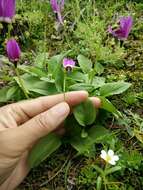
column 25, row 135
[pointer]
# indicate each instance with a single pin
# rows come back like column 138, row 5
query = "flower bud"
column 13, row 50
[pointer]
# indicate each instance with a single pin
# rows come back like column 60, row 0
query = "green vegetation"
column 85, row 39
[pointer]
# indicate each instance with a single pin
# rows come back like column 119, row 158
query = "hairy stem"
column 21, row 83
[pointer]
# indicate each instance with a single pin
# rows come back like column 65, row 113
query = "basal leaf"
column 85, row 63
column 110, row 89
column 54, row 62
column 107, row 105
column 82, row 86
column 85, row 113
column 112, row 170
column 95, row 135
column 34, row 84
column 139, row 135
column 3, row 92
column 11, row 92
column 76, row 76
column 44, row 148
column 99, row 69
column 59, row 78
column 98, row 82
column 34, row 71
column 41, row 59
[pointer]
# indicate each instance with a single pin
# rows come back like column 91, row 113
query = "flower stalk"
column 64, row 84
column 21, row 83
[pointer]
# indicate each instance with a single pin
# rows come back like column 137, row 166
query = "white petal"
column 103, row 154
column 116, row 158
column 112, row 162
column 110, row 152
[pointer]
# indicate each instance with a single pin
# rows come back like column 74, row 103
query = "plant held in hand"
column 68, row 64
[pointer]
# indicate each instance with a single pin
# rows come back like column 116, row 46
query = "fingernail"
column 96, row 101
column 61, row 109
column 81, row 93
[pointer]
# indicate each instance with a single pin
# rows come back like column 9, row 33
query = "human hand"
column 22, row 124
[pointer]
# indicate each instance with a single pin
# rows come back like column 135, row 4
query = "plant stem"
column 105, row 183
column 9, row 30
column 104, row 177
column 21, row 83
column 64, row 85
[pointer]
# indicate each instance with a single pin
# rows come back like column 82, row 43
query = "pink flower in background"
column 58, row 6
column 125, row 26
column 7, row 10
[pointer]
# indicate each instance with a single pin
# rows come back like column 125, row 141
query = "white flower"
column 109, row 157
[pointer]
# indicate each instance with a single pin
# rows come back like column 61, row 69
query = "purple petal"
column 120, row 34
column 54, row 5
column 68, row 63
column 13, row 50
column 1, row 8
column 62, row 4
column 124, row 29
column 7, row 10
column 57, row 7
column 126, row 24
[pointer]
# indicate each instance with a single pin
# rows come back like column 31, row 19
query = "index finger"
column 24, row 110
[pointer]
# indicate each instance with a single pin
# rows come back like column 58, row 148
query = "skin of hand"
column 22, row 124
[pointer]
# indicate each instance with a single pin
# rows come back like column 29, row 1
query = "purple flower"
column 7, row 10
column 57, row 6
column 125, row 26
column 13, row 50
column 68, row 64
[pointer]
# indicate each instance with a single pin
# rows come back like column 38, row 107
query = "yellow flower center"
column 108, row 158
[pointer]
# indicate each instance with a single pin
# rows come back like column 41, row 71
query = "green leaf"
column 41, row 59
column 11, row 92
column 112, row 170
column 98, row 82
column 110, row 89
column 34, row 71
column 44, row 148
column 139, row 135
column 99, row 69
column 95, row 135
column 76, row 76
column 34, row 84
column 85, row 64
column 99, row 183
column 3, row 92
column 85, row 113
column 98, row 169
column 82, row 86
column 59, row 78
column 107, row 105
column 54, row 62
